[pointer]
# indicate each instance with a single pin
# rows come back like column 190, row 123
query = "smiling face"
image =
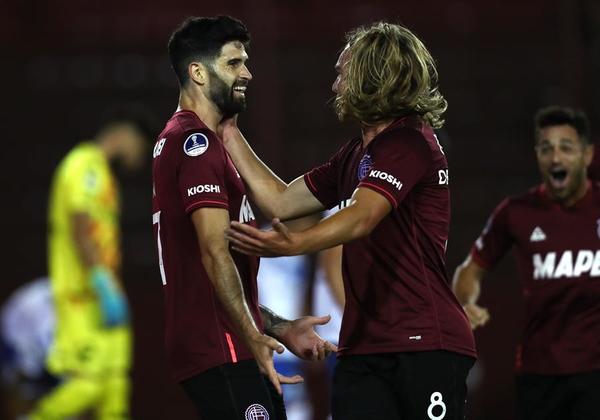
column 563, row 158
column 229, row 78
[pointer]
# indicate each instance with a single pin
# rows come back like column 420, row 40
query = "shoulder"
column 188, row 136
column 522, row 202
column 406, row 139
column 84, row 156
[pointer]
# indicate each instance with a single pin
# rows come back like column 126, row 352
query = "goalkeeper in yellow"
column 91, row 351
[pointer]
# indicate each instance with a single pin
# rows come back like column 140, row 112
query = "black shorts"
column 560, row 397
column 235, row 391
column 401, row 386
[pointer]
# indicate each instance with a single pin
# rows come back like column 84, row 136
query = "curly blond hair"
column 389, row 73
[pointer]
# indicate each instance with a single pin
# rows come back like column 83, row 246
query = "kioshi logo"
column 256, row 412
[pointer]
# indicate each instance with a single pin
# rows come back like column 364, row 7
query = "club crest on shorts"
column 365, row 165
column 195, row 145
column 256, row 412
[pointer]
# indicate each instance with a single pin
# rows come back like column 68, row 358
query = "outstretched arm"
column 467, row 287
column 274, row 197
column 367, row 208
column 298, row 335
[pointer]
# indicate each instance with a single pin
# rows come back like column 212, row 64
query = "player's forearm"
column 273, row 323
column 346, row 225
column 84, row 243
column 228, row 287
column 265, row 188
column 467, row 283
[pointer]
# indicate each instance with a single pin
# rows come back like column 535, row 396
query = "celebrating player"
column 91, row 348
column 215, row 344
column 555, row 231
column 405, row 343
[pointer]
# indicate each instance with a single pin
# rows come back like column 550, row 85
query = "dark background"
column 64, row 62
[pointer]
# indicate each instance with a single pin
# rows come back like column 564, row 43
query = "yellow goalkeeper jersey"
column 83, row 183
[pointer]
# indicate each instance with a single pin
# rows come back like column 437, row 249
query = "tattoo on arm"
column 272, row 322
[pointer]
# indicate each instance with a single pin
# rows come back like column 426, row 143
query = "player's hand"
column 227, row 128
column 300, row 338
column 113, row 303
column 265, row 243
column 262, row 347
column 477, row 315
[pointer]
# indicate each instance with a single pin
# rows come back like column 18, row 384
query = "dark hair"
column 560, row 115
column 132, row 114
column 201, row 39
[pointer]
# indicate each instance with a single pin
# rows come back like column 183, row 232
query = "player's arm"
column 209, row 224
column 88, row 253
column 366, row 209
column 298, row 335
column 330, row 261
column 467, row 288
column 111, row 298
column 274, row 197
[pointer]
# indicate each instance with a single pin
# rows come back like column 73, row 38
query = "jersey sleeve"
column 397, row 164
column 495, row 239
column 86, row 182
column 322, row 181
column 201, row 171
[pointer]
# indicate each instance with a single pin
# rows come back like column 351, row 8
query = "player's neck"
column 581, row 192
column 371, row 130
column 208, row 112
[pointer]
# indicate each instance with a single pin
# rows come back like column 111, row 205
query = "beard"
column 223, row 97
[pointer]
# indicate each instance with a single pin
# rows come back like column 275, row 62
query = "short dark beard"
column 222, row 96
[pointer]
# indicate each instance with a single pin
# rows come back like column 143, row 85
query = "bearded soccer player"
column 405, row 342
column 554, row 230
column 214, row 326
column 92, row 343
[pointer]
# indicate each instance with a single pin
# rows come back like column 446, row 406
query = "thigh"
column 234, row 392
column 432, row 385
column 361, row 389
column 541, row 397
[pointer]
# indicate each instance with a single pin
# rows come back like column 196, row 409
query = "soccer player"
column 554, row 230
column 214, row 327
column 405, row 342
column 91, row 348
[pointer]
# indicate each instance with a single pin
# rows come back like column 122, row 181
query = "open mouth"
column 240, row 89
column 558, row 177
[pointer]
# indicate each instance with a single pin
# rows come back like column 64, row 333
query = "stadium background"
column 64, row 62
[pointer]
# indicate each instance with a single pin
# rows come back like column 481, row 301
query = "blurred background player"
column 405, row 343
column 327, row 298
column 554, row 230
column 26, row 332
column 219, row 341
column 92, row 345
column 283, row 286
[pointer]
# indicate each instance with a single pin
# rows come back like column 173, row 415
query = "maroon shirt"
column 398, row 297
column 558, row 258
column 191, row 169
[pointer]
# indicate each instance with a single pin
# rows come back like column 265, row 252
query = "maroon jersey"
column 398, row 297
column 191, row 169
column 558, row 257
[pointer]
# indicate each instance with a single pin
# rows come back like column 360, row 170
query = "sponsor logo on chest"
column 386, row 177
column 569, row 264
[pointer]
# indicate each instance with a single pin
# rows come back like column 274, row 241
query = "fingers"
column 274, row 378
column 280, row 227
column 331, row 348
column 274, row 344
column 296, row 379
column 320, row 320
column 321, row 351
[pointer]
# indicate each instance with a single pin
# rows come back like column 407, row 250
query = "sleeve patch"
column 195, row 145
